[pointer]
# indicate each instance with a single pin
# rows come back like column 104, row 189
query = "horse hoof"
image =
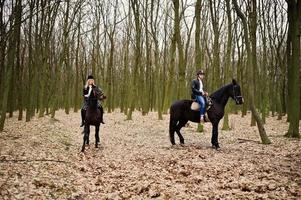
column 216, row 147
column 96, row 146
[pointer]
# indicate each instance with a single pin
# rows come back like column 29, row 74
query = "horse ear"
column 234, row 82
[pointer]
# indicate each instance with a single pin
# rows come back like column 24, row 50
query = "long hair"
column 87, row 84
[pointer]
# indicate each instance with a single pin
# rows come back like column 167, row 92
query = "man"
column 199, row 94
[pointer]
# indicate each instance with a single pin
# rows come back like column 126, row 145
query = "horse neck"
column 93, row 104
column 222, row 95
column 224, row 99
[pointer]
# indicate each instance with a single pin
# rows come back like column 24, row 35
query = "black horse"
column 181, row 112
column 94, row 118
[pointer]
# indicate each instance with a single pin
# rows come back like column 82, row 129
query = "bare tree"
column 263, row 136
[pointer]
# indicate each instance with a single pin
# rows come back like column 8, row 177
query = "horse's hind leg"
column 179, row 126
column 96, row 136
column 172, row 128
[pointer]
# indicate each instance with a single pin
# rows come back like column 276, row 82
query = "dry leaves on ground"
column 41, row 159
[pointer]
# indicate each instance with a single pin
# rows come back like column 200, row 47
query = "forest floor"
column 41, row 159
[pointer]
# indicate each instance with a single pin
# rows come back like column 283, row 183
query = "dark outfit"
column 198, row 95
column 195, row 88
column 96, row 92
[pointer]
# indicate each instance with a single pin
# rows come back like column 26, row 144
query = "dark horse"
column 181, row 112
column 93, row 117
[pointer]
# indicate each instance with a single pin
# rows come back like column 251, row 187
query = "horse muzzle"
column 239, row 100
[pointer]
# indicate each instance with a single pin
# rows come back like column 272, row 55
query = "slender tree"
column 228, row 60
column 262, row 133
column 293, row 49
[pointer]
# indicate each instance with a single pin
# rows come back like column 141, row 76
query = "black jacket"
column 96, row 92
column 195, row 89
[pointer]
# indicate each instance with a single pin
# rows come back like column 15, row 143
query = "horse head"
column 235, row 93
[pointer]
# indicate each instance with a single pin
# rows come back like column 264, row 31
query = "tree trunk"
column 177, row 37
column 29, row 107
column 11, row 54
column 76, row 94
column 253, row 39
column 228, row 61
column 198, row 56
column 216, row 75
column 294, row 19
column 262, row 133
column 134, row 91
column 19, row 73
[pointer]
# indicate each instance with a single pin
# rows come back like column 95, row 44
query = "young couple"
column 197, row 88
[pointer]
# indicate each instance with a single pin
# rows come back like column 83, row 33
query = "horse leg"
column 96, row 136
column 101, row 114
column 86, row 137
column 179, row 126
column 172, row 128
column 214, row 138
column 88, row 134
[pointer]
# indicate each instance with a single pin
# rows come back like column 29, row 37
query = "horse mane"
column 92, row 103
column 218, row 94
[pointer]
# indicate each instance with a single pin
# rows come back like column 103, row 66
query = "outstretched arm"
column 99, row 93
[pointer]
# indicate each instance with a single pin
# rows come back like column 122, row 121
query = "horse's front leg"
column 214, row 138
column 86, row 137
column 96, row 136
column 87, row 131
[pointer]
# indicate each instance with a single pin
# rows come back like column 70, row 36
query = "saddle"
column 196, row 106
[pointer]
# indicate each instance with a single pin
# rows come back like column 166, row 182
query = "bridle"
column 236, row 97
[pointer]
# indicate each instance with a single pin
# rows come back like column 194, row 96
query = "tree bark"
column 179, row 43
column 134, row 91
column 11, row 54
column 294, row 19
column 262, row 133
column 228, row 61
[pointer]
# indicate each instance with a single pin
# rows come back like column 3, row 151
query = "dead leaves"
column 41, row 160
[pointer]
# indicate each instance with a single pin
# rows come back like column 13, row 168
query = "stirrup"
column 206, row 118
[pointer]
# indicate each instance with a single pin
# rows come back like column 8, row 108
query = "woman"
column 89, row 91
column 198, row 93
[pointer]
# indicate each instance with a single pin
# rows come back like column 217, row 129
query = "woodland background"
column 144, row 54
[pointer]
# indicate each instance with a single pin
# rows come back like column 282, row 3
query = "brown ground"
column 41, row 160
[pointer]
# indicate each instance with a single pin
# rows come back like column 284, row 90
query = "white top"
column 90, row 90
column 201, row 86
